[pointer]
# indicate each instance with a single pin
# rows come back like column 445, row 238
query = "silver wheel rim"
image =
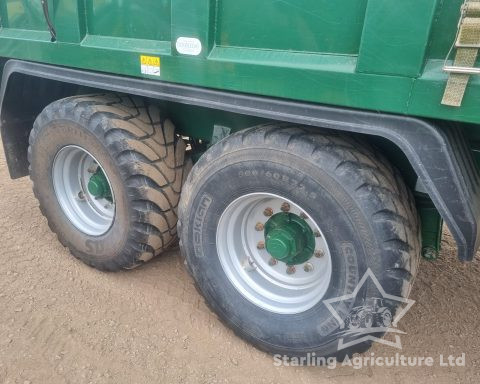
column 249, row 268
column 72, row 168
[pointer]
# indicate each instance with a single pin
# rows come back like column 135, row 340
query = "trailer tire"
column 141, row 158
column 366, row 214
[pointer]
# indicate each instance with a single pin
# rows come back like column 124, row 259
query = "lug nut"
column 319, row 253
column 285, row 207
column 261, row 245
column 249, row 265
column 268, row 212
column 291, row 270
column 93, row 168
column 308, row 267
column 317, row 234
column 259, row 227
column 81, row 195
column 304, row 216
column 272, row 262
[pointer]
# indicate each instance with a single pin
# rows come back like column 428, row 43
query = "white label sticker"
column 188, row 46
column 150, row 65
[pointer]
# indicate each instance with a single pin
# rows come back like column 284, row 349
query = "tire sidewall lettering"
column 210, row 204
column 198, row 223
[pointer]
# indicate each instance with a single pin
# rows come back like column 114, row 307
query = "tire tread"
column 151, row 160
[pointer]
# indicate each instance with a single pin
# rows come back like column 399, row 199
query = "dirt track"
column 63, row 322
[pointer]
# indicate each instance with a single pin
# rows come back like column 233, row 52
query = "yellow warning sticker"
column 150, row 65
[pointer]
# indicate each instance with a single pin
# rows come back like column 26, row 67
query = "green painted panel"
column 337, row 84
column 194, row 19
column 146, row 19
column 3, row 14
column 304, row 50
column 69, row 20
column 428, row 91
column 396, row 36
column 444, row 28
column 25, row 14
column 307, row 25
column 151, row 47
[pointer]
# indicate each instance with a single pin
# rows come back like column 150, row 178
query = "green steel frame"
column 372, row 54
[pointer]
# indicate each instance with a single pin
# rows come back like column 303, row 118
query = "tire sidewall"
column 347, row 232
column 51, row 138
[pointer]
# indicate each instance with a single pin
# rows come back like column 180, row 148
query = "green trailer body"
column 382, row 55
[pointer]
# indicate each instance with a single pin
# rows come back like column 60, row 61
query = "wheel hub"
column 83, row 190
column 265, row 244
column 98, row 186
column 288, row 238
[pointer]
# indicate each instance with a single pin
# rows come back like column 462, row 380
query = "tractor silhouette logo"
column 374, row 318
column 374, row 313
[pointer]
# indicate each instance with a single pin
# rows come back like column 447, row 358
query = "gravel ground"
column 63, row 322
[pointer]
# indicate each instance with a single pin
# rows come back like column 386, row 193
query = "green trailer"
column 291, row 147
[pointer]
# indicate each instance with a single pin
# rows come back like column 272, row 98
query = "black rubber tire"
column 351, row 190
column 143, row 159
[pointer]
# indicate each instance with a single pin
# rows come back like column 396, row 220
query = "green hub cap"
column 288, row 238
column 98, row 186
